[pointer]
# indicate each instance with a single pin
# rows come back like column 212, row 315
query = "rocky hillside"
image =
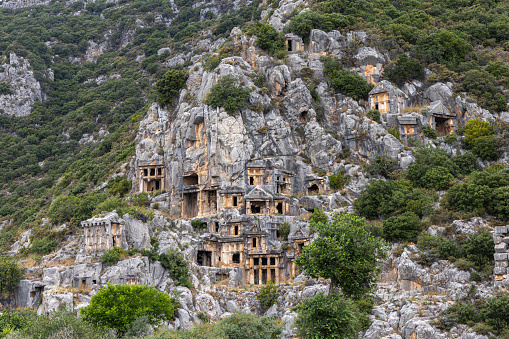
column 139, row 136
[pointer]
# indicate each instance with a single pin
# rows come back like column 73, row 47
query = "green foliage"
column 338, row 180
column 346, row 82
column 374, row 115
column 15, row 320
column 429, row 132
column 62, row 208
column 211, row 62
column 443, row 47
column 479, row 248
column 326, row 317
column 405, row 226
column 117, row 306
column 483, row 85
column 437, row 178
column 474, row 129
column 228, row 94
column 500, row 202
column 269, row 39
column 303, row 23
column 119, row 186
column 43, row 246
column 139, row 328
column 451, row 139
column 497, row 69
column 495, row 313
column 113, row 255
column 403, row 70
column 141, row 199
column 177, row 266
column 318, row 216
column 60, row 323
column 345, row 252
column 10, row 275
column 169, row 86
column 197, row 224
column 284, row 230
column 385, row 198
column 486, row 147
column 268, row 294
column 5, row 89
column 382, row 164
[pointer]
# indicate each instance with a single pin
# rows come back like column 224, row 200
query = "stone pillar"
column 501, row 270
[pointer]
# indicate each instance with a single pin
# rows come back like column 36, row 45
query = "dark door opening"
column 303, row 116
column 235, row 202
column 236, row 230
column 279, row 207
column 264, row 261
column 254, row 242
column 217, row 226
column 251, row 181
column 204, row 258
column 272, row 261
column 442, row 126
column 256, row 261
column 152, row 172
column 256, row 277
column 313, row 189
column 273, row 275
column 236, row 258
column 289, row 43
column 264, row 276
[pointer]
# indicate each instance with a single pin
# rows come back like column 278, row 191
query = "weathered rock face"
column 25, row 90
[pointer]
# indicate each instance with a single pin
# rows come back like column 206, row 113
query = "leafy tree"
column 403, row 70
column 382, row 164
column 429, row 132
column 268, row 294
column 284, row 230
column 169, row 86
column 318, row 216
column 479, row 248
column 177, row 267
column 228, row 94
column 338, row 180
column 119, row 186
column 303, row 23
column 443, row 47
column 350, row 84
column 113, row 255
column 496, row 313
column 60, row 324
column 405, row 226
column 373, row 198
column 437, row 178
column 468, row 197
column 500, row 202
column 62, row 209
column 10, row 275
column 486, row 147
column 269, row 39
column 116, row 306
column 326, row 317
column 346, row 253
column 374, row 115
column 483, row 85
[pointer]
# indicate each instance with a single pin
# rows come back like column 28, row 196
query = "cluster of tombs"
column 391, row 102
column 246, row 234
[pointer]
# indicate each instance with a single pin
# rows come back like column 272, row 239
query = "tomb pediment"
column 258, row 193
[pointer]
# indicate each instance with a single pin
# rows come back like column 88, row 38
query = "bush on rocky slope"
column 227, row 93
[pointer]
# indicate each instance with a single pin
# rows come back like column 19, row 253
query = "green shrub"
column 139, row 328
column 469, row 197
column 284, row 231
column 117, row 306
column 4, row 88
column 495, row 313
column 303, row 23
column 448, row 249
column 318, row 216
column 464, row 264
column 350, row 84
column 474, row 276
column 211, row 62
column 15, row 320
column 43, row 246
column 62, row 209
column 269, row 39
column 169, row 86
column 437, row 177
column 429, row 132
column 249, row 326
column 61, row 324
column 466, row 163
column 403, row 70
column 406, row 226
column 323, row 317
column 374, row 115
column 500, row 202
column 486, row 147
column 371, row 200
column 382, row 165
column 338, row 180
column 113, row 255
column 483, row 85
column 119, row 186
column 177, row 266
column 451, row 139
column 479, row 248
column 474, row 129
column 197, row 224
column 141, row 199
column 443, row 47
column 497, row 69
column 463, row 312
column 10, row 275
column 228, row 94
column 268, row 294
